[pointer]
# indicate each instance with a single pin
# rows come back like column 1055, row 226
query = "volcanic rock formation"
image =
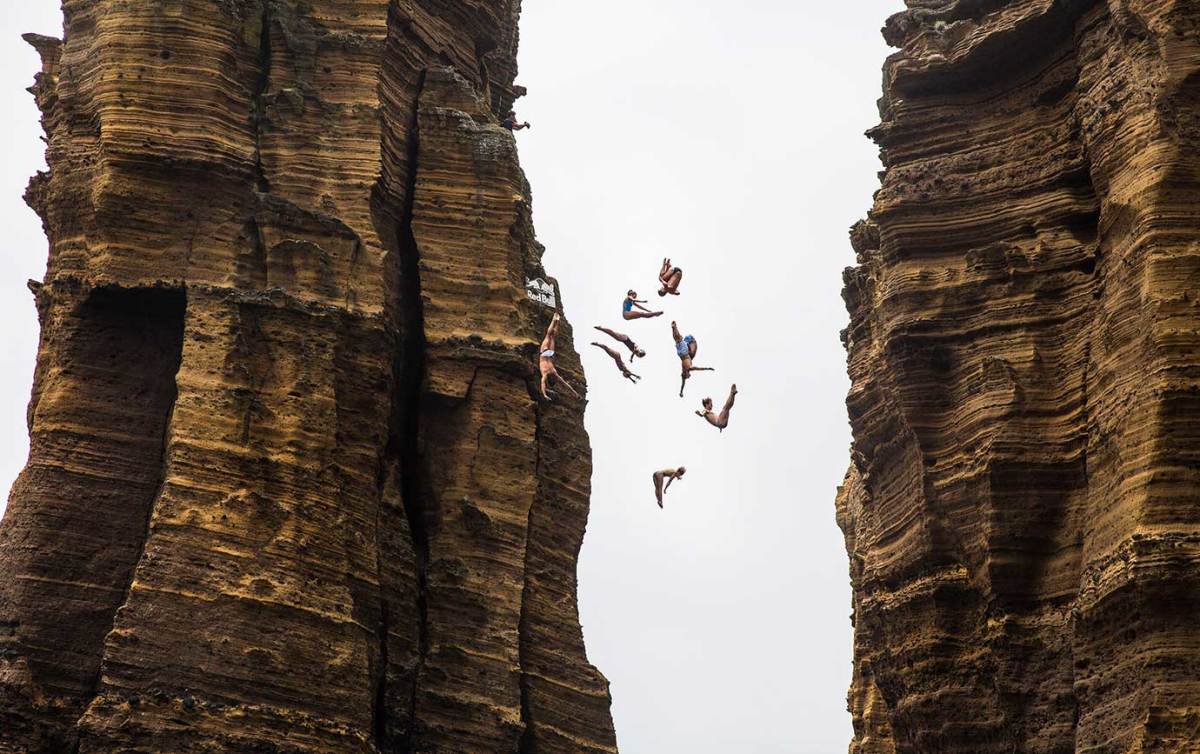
column 1023, row 508
column 289, row 489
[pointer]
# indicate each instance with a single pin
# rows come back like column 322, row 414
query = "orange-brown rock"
column 289, row 487
column 1021, row 512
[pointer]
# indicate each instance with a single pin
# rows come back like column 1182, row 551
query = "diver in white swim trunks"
column 546, row 359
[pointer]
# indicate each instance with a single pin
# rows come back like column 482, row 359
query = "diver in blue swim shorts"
column 686, row 349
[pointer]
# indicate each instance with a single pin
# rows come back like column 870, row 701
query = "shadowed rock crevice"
column 80, row 511
column 140, row 315
column 408, row 419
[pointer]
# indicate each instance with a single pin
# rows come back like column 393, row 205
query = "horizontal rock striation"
column 1024, row 348
column 289, row 489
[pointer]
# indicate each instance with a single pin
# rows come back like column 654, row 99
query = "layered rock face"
column 289, row 489
column 1023, row 508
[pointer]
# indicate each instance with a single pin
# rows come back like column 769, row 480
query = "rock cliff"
column 1022, row 508
column 289, row 490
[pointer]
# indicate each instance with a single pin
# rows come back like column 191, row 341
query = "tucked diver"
column 546, row 359
column 670, row 475
column 670, row 277
column 721, row 420
column 633, row 308
column 625, row 340
column 686, row 348
column 620, row 363
column 510, row 122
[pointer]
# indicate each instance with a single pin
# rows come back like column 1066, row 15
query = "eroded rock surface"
column 289, row 488
column 1021, row 512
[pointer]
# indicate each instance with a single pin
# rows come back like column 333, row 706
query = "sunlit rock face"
column 289, row 488
column 1023, row 508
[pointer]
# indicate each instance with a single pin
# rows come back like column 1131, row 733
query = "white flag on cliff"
column 542, row 292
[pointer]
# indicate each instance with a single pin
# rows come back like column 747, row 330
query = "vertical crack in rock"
column 410, row 383
column 380, row 712
column 528, row 742
column 262, row 86
column 1023, row 351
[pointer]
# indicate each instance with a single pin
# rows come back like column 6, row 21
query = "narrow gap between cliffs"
column 404, row 442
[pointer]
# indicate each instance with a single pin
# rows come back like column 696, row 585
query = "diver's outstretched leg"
column 723, row 417
column 551, row 334
column 633, row 314
column 607, row 350
column 566, row 384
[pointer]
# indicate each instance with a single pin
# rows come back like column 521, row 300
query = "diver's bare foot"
column 733, row 390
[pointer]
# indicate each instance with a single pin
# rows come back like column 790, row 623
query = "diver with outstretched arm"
column 670, row 475
column 546, row 359
column 721, row 420
column 620, row 363
column 686, row 348
column 633, row 309
column 510, row 122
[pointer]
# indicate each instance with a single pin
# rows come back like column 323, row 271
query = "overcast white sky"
column 728, row 137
